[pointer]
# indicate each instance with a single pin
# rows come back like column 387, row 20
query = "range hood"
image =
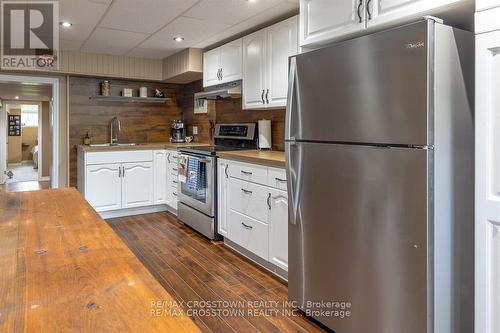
column 222, row 91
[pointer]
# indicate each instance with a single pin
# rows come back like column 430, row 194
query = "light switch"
column 195, row 130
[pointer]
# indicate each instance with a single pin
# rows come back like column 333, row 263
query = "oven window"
column 195, row 185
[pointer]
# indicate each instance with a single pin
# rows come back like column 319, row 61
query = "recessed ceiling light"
column 179, row 39
column 66, row 24
column 17, row 97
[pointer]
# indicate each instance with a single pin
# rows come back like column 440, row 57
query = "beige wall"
column 29, row 138
column 46, row 140
column 14, row 154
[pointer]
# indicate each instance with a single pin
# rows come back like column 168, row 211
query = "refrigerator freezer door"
column 358, row 234
column 371, row 89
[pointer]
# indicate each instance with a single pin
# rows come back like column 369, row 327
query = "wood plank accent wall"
column 140, row 122
column 74, row 62
column 229, row 111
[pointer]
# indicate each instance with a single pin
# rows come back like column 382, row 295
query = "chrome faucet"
column 112, row 139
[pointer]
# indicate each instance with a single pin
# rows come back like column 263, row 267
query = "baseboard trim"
column 278, row 271
column 136, row 211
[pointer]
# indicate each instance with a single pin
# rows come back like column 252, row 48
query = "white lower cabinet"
column 104, row 186
column 278, row 229
column 122, row 183
column 253, row 209
column 137, row 184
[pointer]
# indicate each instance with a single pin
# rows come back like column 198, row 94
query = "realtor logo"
column 30, row 35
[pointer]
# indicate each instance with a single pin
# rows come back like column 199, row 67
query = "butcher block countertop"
column 141, row 146
column 265, row 157
column 65, row 270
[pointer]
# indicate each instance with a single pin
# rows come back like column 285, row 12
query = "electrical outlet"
column 195, row 130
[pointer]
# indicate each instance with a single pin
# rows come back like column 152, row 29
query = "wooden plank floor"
column 192, row 269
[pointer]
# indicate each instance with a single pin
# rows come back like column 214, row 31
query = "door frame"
column 54, row 121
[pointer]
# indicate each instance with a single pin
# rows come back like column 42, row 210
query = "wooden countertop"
column 65, row 270
column 141, row 146
column 265, row 157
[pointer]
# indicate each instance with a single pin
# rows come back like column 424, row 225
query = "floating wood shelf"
column 130, row 99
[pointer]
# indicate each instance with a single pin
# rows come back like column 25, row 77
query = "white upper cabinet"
column 265, row 64
column 211, row 67
column 322, row 20
column 254, row 70
column 326, row 21
column 281, row 43
column 137, row 186
column 222, row 64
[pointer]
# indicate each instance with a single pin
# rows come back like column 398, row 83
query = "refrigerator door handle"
column 294, row 180
column 290, row 97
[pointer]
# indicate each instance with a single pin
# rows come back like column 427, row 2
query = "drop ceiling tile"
column 229, row 11
column 193, row 31
column 116, row 42
column 143, row 16
column 151, row 53
column 70, row 45
column 84, row 14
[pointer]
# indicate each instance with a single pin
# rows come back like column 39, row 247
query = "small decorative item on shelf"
column 159, row 93
column 105, row 86
column 127, row 92
column 87, row 139
column 143, row 92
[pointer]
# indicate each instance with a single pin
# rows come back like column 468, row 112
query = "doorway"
column 28, row 132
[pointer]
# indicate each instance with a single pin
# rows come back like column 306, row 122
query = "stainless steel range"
column 198, row 176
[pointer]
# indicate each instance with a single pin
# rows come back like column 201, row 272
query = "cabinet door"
column 486, row 4
column 281, row 43
column 230, row 61
column 160, row 177
column 211, row 67
column 322, row 21
column 222, row 197
column 487, row 221
column 137, row 184
column 278, row 229
column 254, row 69
column 103, row 186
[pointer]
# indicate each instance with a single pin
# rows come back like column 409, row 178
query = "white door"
column 222, row 197
column 103, row 186
column 230, row 61
column 211, row 67
column 326, row 20
column 278, row 229
column 254, row 69
column 137, row 184
column 281, row 43
column 487, row 253
column 160, row 176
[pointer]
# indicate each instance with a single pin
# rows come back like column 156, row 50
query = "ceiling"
column 26, row 92
column 147, row 28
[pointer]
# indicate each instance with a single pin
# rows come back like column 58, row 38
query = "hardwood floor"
column 24, row 186
column 192, row 269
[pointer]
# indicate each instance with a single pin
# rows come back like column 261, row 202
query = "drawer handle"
column 174, row 181
column 246, row 191
column 280, row 180
column 246, row 172
column 175, row 169
column 174, row 193
column 246, row 226
column 268, row 201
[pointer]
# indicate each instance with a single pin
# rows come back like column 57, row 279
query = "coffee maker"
column 178, row 132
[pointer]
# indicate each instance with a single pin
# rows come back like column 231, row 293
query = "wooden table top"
column 63, row 269
column 265, row 157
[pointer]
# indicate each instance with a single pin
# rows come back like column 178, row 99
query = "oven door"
column 197, row 188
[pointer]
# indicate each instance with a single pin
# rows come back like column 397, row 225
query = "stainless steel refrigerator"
column 380, row 162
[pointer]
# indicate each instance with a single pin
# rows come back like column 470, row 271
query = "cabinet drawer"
column 119, row 157
column 250, row 172
column 277, row 178
column 249, row 233
column 249, row 199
